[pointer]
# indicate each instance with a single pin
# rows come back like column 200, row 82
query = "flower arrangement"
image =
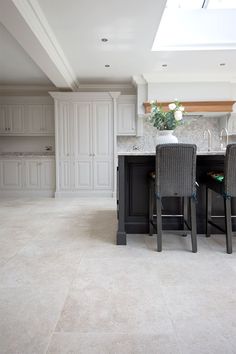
column 166, row 120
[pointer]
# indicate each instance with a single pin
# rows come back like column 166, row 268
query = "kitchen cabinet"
column 47, row 174
column 85, row 142
column 126, row 115
column 39, row 119
column 32, row 174
column 11, row 119
column 11, row 176
column 26, row 119
column 27, row 174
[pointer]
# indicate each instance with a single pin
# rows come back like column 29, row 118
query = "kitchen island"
column 132, row 194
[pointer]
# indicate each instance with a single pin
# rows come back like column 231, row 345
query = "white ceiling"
column 130, row 27
column 70, row 51
column 16, row 66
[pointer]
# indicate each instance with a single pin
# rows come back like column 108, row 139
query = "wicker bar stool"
column 175, row 176
column 225, row 185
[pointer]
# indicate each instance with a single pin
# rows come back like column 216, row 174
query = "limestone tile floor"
column 65, row 287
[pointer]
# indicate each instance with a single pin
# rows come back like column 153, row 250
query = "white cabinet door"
column 3, row 119
column 102, row 145
column 35, row 119
column 48, row 178
column 12, row 174
column 11, row 119
column 39, row 119
column 48, row 119
column 126, row 119
column 83, row 161
column 83, row 170
column 65, row 129
column 16, row 116
column 32, row 174
column 65, row 175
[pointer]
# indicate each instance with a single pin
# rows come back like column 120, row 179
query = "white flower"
column 172, row 106
column 181, row 108
column 178, row 115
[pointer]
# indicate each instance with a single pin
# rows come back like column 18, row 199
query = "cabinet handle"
column 67, row 154
column 5, row 128
column 9, row 128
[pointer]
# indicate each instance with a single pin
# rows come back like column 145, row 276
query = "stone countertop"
column 153, row 153
column 27, row 154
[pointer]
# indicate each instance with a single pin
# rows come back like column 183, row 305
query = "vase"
column 165, row 137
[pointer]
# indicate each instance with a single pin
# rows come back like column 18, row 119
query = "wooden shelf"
column 198, row 106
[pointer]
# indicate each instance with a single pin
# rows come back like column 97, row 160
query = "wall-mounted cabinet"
column 126, row 115
column 26, row 119
column 11, row 119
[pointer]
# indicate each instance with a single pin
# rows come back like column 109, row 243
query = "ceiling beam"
column 26, row 22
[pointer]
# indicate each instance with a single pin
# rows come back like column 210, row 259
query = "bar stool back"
column 175, row 176
column 227, row 189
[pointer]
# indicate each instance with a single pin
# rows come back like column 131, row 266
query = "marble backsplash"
column 191, row 132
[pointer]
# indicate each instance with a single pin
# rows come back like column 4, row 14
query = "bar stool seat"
column 175, row 176
column 224, row 184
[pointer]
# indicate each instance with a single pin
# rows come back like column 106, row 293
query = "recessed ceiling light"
column 107, row 66
column 222, row 64
column 164, row 65
column 104, row 40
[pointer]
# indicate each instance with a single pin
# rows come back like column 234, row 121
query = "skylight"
column 197, row 25
column 221, row 4
column 198, row 4
column 184, row 4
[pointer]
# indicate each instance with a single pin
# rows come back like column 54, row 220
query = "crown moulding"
column 197, row 106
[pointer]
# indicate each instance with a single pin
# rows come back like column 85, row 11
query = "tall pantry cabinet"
column 85, row 144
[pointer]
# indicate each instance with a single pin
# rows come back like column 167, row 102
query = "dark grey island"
column 132, row 194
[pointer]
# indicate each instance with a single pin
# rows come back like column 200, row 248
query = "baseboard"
column 26, row 193
column 84, row 194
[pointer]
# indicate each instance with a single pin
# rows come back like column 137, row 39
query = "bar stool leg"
column 193, row 225
column 208, row 210
column 159, row 225
column 228, row 224
column 185, row 215
column 151, row 207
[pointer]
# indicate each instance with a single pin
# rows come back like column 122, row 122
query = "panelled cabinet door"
column 16, row 118
column 48, row 119
column 83, row 172
column 11, row 119
column 3, row 119
column 65, row 174
column 83, row 131
column 102, row 145
column 48, row 178
column 65, row 129
column 32, row 174
column 35, row 118
column 103, row 174
column 126, row 119
column 11, row 174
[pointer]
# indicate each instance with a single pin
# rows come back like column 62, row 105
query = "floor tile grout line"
column 60, row 312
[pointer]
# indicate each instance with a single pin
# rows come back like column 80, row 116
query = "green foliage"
column 166, row 120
